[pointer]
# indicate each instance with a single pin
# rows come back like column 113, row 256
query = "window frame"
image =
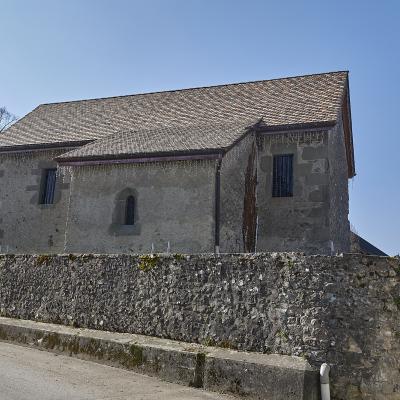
column 283, row 175
column 48, row 186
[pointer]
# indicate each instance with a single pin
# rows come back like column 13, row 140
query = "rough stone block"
column 256, row 376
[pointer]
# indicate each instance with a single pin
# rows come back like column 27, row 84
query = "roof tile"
column 181, row 139
column 287, row 101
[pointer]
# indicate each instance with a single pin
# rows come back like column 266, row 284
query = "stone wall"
column 300, row 222
column 174, row 202
column 339, row 226
column 25, row 225
column 341, row 310
column 234, row 168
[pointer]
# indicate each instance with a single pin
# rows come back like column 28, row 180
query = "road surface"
column 32, row 374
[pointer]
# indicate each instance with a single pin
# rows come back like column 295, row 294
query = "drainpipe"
column 217, row 204
column 324, row 380
column 256, row 194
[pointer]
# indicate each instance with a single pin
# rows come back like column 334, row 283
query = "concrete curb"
column 253, row 375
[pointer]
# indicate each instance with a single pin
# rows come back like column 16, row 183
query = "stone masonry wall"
column 174, row 204
column 299, row 222
column 339, row 226
column 233, row 196
column 343, row 310
column 25, row 225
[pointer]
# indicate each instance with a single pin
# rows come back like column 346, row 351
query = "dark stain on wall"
column 250, row 207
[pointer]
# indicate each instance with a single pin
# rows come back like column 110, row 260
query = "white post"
column 324, row 380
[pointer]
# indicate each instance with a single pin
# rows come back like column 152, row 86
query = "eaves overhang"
column 262, row 128
column 42, row 146
column 211, row 154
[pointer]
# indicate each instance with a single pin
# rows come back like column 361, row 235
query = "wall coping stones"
column 253, row 375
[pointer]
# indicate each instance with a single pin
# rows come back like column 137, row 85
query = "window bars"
column 48, row 186
column 282, row 184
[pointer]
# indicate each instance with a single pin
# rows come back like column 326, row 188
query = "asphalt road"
column 31, row 374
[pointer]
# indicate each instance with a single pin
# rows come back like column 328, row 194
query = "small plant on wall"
column 148, row 261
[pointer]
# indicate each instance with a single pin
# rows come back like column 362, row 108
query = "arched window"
column 130, row 211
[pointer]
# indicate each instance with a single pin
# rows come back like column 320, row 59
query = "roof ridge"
column 197, row 88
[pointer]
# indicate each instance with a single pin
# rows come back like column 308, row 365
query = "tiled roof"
column 186, row 139
column 287, row 101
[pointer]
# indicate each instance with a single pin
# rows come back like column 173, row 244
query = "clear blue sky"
column 63, row 50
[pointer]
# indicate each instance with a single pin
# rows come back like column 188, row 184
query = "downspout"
column 67, row 219
column 256, row 147
column 217, row 206
column 324, row 380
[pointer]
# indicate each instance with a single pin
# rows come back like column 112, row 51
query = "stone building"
column 232, row 168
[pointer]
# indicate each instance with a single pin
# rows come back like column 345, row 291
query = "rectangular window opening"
column 48, row 186
column 282, row 183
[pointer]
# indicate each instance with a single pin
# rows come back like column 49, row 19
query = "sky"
column 66, row 50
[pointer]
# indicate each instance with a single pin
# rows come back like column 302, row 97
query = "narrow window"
column 130, row 211
column 48, row 186
column 282, row 185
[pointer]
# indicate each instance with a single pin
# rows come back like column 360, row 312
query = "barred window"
column 282, row 184
column 48, row 186
column 130, row 211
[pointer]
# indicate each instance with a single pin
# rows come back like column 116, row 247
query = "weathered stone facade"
column 343, row 310
column 307, row 221
column 175, row 201
column 26, row 225
column 174, row 204
column 246, row 167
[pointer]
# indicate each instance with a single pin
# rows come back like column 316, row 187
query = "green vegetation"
column 290, row 263
column 209, row 342
column 148, row 262
column 226, row 344
column 51, row 341
column 72, row 257
column 136, row 353
column 43, row 259
column 283, row 335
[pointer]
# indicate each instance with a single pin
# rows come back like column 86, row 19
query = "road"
column 32, row 374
